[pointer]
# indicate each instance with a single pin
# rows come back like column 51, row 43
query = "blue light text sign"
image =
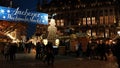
column 11, row 14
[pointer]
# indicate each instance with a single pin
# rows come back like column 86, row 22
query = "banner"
column 11, row 14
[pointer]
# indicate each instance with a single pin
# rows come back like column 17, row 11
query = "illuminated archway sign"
column 11, row 14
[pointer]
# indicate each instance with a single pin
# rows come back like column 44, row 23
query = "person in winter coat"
column 49, row 53
column 38, row 50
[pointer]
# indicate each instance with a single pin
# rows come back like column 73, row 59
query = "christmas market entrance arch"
column 26, row 16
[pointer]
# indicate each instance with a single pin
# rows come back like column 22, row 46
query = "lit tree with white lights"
column 52, row 31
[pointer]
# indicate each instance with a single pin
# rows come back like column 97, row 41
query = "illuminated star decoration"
column 3, row 11
column 8, row 11
column 44, row 19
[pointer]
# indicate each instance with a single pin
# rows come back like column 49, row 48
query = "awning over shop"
column 4, row 38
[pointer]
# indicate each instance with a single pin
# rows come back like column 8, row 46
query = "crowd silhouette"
column 104, row 50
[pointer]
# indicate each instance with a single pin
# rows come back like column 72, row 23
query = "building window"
column 89, row 32
column 101, row 34
column 101, row 19
column 111, row 19
column 58, row 23
column 84, row 21
column 93, row 20
column 94, row 34
column 106, row 19
column 88, row 21
column 62, row 22
column 107, row 33
column 105, row 12
column 114, row 20
column 111, row 11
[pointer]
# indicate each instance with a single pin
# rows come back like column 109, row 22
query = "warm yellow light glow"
column 62, row 23
column 52, row 22
column 45, row 42
column 114, row 42
column 52, row 30
column 118, row 33
column 84, row 21
column 79, row 23
column 88, row 21
column 11, row 36
column 57, row 41
column 16, row 41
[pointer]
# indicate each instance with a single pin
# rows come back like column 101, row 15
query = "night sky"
column 28, row 4
column 25, row 4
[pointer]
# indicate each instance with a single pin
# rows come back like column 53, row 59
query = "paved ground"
column 28, row 61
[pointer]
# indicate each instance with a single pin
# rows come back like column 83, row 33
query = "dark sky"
column 28, row 4
column 23, row 4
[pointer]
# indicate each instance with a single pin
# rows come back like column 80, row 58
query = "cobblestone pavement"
column 28, row 61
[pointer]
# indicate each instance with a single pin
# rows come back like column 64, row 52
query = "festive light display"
column 11, row 14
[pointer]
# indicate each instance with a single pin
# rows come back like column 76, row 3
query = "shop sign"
column 11, row 14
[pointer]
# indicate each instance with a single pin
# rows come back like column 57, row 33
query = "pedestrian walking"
column 38, row 50
column 49, row 54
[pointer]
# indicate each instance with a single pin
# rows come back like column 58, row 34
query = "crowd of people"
column 42, row 52
column 9, row 51
column 100, row 50
column 45, row 52
column 106, row 50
